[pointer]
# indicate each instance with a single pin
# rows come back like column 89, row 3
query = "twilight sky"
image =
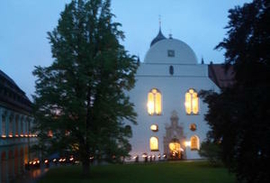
column 24, row 25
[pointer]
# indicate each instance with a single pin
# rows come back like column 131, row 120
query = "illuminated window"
column 192, row 102
column 50, row 133
column 154, row 105
column 154, row 128
column 67, row 133
column 193, row 127
column 154, row 144
column 194, row 143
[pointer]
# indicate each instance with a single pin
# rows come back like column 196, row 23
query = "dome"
column 170, row 51
column 159, row 37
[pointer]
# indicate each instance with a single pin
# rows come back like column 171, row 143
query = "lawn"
column 166, row 172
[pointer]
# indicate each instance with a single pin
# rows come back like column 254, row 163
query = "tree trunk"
column 85, row 167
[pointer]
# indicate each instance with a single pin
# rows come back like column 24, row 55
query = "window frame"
column 189, row 102
column 197, row 147
column 153, row 101
column 151, row 143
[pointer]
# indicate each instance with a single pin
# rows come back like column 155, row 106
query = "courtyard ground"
column 165, row 172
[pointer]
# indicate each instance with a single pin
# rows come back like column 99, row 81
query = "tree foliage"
column 212, row 152
column 239, row 115
column 81, row 98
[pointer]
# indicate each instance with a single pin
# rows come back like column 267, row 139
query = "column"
column 27, row 126
column 13, row 124
column 19, row 124
column 31, row 125
column 1, row 125
column 7, row 118
column 23, row 123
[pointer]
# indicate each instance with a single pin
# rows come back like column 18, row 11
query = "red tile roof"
column 221, row 76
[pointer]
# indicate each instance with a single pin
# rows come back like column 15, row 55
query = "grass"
column 167, row 172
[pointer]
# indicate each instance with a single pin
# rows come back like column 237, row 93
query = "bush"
column 211, row 151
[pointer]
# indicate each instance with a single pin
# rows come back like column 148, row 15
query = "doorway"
column 175, row 149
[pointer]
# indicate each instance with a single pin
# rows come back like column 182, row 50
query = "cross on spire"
column 159, row 21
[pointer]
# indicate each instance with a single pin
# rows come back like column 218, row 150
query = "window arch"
column 192, row 102
column 154, row 144
column 194, row 143
column 154, row 104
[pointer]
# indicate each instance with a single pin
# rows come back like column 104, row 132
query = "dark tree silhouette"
column 81, row 98
column 239, row 115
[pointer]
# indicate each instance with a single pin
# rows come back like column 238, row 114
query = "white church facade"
column 170, row 117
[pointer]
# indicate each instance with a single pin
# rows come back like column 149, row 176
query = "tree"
column 239, row 115
column 211, row 151
column 80, row 100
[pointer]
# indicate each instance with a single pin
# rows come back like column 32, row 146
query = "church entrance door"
column 175, row 149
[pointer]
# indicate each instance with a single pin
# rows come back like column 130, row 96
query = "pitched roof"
column 223, row 77
column 11, row 96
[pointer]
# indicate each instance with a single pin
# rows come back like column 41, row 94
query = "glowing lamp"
column 187, row 143
column 154, row 128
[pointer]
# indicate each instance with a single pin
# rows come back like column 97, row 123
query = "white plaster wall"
column 158, row 52
column 173, row 89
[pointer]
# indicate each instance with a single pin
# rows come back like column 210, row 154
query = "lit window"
column 192, row 102
column 154, row 128
column 194, row 143
column 154, row 105
column 50, row 133
column 154, row 144
column 193, row 127
column 67, row 133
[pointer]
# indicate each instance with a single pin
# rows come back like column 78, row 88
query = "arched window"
column 192, row 102
column 154, row 144
column 154, row 105
column 3, row 126
column 194, row 143
column 10, row 126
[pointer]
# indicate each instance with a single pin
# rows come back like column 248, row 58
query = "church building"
column 170, row 117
